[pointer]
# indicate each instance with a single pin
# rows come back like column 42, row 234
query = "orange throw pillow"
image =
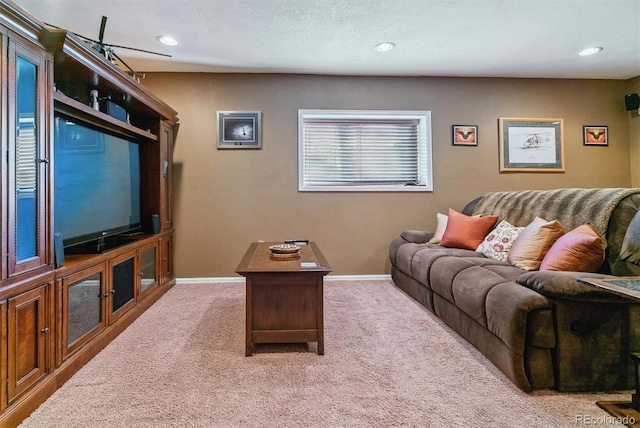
column 466, row 232
column 580, row 250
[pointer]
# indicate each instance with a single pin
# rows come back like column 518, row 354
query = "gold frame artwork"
column 531, row 145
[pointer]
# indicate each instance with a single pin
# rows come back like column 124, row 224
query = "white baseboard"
column 327, row 278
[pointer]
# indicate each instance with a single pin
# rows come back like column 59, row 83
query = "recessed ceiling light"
column 589, row 51
column 385, row 46
column 167, row 40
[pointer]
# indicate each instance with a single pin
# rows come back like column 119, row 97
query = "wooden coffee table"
column 284, row 296
column 629, row 287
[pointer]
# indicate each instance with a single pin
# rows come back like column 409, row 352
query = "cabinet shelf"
column 70, row 107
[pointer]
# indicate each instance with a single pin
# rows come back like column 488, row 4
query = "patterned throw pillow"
column 497, row 243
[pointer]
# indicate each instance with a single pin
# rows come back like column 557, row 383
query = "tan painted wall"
column 227, row 199
column 633, row 87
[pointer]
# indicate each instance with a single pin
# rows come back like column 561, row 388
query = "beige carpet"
column 389, row 362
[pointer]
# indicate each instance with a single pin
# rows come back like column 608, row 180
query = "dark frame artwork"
column 464, row 135
column 239, row 130
column 595, row 135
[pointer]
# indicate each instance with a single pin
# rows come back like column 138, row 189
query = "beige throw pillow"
column 441, row 226
column 533, row 242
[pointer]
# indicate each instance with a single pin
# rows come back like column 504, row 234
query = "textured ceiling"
column 489, row 38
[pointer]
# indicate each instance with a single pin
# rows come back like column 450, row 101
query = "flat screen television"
column 96, row 186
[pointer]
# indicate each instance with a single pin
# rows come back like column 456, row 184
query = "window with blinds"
column 364, row 150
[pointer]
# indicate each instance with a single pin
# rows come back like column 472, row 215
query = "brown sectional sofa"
column 543, row 329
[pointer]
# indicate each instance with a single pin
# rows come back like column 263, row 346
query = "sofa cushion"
column 508, row 307
column 533, row 242
column 565, row 285
column 405, row 255
column 581, row 249
column 416, row 236
column 470, row 288
column 466, row 232
column 443, row 273
column 498, row 242
column 630, row 250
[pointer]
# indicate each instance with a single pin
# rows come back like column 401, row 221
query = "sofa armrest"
column 416, row 236
column 565, row 285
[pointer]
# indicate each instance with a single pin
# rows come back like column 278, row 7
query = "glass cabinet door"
column 27, row 162
column 148, row 268
column 83, row 311
column 83, row 308
column 122, row 284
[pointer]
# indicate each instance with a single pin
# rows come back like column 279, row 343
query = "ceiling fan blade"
column 136, row 49
column 103, row 24
column 124, row 63
column 102, row 44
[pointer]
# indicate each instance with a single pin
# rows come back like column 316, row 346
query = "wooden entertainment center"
column 56, row 315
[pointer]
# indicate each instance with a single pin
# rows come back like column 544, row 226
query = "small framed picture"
column 595, row 135
column 464, row 135
column 239, row 130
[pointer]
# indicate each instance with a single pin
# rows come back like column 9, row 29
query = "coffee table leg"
column 320, row 315
column 249, row 320
column 635, row 398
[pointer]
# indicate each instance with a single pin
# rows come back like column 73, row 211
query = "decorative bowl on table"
column 284, row 251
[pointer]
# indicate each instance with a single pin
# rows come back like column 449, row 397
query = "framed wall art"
column 239, row 130
column 531, row 145
column 595, row 135
column 464, row 135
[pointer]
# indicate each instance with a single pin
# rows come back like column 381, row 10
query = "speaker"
column 58, row 250
column 153, row 224
column 113, row 110
column 632, row 102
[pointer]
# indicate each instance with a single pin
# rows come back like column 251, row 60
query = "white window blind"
column 364, row 150
column 26, row 158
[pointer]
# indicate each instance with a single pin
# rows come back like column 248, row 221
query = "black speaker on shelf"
column 58, row 250
column 632, row 102
column 113, row 110
column 152, row 224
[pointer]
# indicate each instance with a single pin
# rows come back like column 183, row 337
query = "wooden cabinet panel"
column 167, row 135
column 3, row 351
column 166, row 262
column 28, row 340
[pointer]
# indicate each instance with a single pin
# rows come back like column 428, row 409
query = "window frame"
column 425, row 149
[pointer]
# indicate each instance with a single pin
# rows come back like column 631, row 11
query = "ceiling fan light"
column 590, row 51
column 167, row 40
column 385, row 46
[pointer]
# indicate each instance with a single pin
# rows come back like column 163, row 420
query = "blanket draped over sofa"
column 543, row 329
column 578, row 206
